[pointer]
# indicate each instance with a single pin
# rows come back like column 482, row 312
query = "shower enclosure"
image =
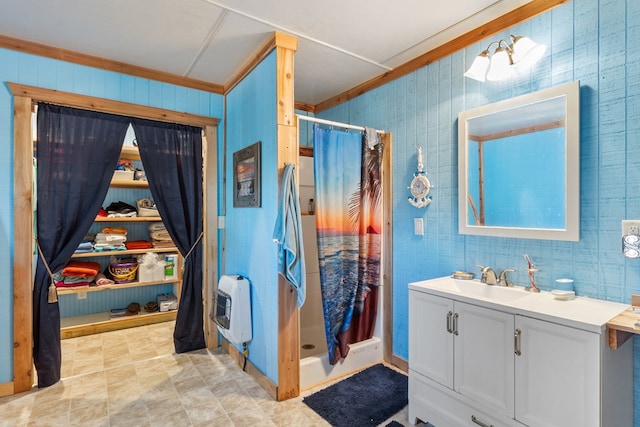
column 314, row 362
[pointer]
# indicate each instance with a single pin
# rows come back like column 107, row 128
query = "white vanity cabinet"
column 558, row 375
column 478, row 362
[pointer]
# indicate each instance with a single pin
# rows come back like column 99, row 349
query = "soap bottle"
column 311, row 207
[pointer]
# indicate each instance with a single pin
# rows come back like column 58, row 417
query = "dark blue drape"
column 77, row 152
column 172, row 158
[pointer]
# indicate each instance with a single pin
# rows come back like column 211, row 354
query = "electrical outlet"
column 630, row 226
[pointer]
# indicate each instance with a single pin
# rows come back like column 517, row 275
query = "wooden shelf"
column 78, row 326
column 128, row 183
column 172, row 249
column 80, row 289
column 621, row 328
column 130, row 152
column 128, row 219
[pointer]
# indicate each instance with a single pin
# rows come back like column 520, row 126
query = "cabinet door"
column 483, row 352
column 557, row 375
column 430, row 344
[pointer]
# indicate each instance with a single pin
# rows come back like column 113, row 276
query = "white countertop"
column 581, row 312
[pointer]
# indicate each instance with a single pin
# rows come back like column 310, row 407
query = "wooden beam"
column 105, row 64
column 210, row 215
column 22, row 245
column 288, row 313
column 495, row 26
column 75, row 100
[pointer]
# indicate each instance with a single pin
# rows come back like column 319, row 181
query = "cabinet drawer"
column 431, row 402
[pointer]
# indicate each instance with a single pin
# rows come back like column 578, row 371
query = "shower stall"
column 314, row 361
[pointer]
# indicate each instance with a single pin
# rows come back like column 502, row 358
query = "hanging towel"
column 288, row 234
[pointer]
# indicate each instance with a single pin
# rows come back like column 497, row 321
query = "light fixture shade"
column 500, row 66
column 526, row 51
column 478, row 69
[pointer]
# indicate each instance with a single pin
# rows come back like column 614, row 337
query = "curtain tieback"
column 53, row 291
column 191, row 249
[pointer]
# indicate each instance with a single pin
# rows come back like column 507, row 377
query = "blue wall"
column 250, row 250
column 52, row 74
column 588, row 40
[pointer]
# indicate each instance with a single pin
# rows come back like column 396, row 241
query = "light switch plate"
column 418, row 226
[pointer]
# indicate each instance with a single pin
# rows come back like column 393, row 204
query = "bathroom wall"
column 588, row 40
column 52, row 74
column 250, row 250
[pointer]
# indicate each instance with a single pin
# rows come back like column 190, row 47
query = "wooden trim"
column 516, row 16
column 210, row 213
column 287, row 145
column 306, row 151
column 400, row 363
column 305, row 107
column 75, row 100
column 106, row 64
column 387, row 245
column 116, row 324
column 276, row 40
column 6, row 389
column 516, row 132
column 250, row 369
column 23, row 245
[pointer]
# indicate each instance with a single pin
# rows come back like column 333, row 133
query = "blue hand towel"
column 288, row 234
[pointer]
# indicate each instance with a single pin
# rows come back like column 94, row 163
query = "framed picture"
column 246, row 177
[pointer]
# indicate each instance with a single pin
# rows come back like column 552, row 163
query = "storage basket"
column 147, row 208
column 123, row 271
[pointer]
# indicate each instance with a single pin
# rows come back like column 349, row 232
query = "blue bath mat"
column 367, row 398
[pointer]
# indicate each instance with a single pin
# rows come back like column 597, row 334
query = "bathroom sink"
column 476, row 289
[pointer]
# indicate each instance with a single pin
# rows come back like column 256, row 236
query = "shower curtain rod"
column 332, row 123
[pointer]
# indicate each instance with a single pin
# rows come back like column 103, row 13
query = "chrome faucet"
column 488, row 275
column 502, row 277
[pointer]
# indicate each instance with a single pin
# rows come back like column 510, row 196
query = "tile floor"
column 133, row 378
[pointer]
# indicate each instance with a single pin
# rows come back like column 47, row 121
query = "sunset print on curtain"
column 348, row 223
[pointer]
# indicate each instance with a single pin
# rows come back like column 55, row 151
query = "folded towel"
column 114, row 230
column 288, row 234
column 81, row 269
column 138, row 244
column 160, row 235
column 101, row 280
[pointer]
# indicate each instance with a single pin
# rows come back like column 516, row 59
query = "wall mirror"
column 519, row 166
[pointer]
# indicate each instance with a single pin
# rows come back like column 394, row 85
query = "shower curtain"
column 347, row 168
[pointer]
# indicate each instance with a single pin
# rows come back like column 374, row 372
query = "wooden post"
column 288, row 313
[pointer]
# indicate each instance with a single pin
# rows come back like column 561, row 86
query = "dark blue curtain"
column 77, row 152
column 172, row 158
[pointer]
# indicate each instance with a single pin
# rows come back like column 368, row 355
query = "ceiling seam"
column 300, row 35
column 212, row 33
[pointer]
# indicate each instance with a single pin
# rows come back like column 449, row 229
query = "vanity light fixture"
column 506, row 59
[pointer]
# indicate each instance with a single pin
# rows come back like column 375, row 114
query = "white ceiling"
column 341, row 43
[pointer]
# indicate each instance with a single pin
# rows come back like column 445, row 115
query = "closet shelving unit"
column 76, row 326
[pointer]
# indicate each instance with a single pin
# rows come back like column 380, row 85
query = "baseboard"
column 6, row 389
column 250, row 369
column 400, row 363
